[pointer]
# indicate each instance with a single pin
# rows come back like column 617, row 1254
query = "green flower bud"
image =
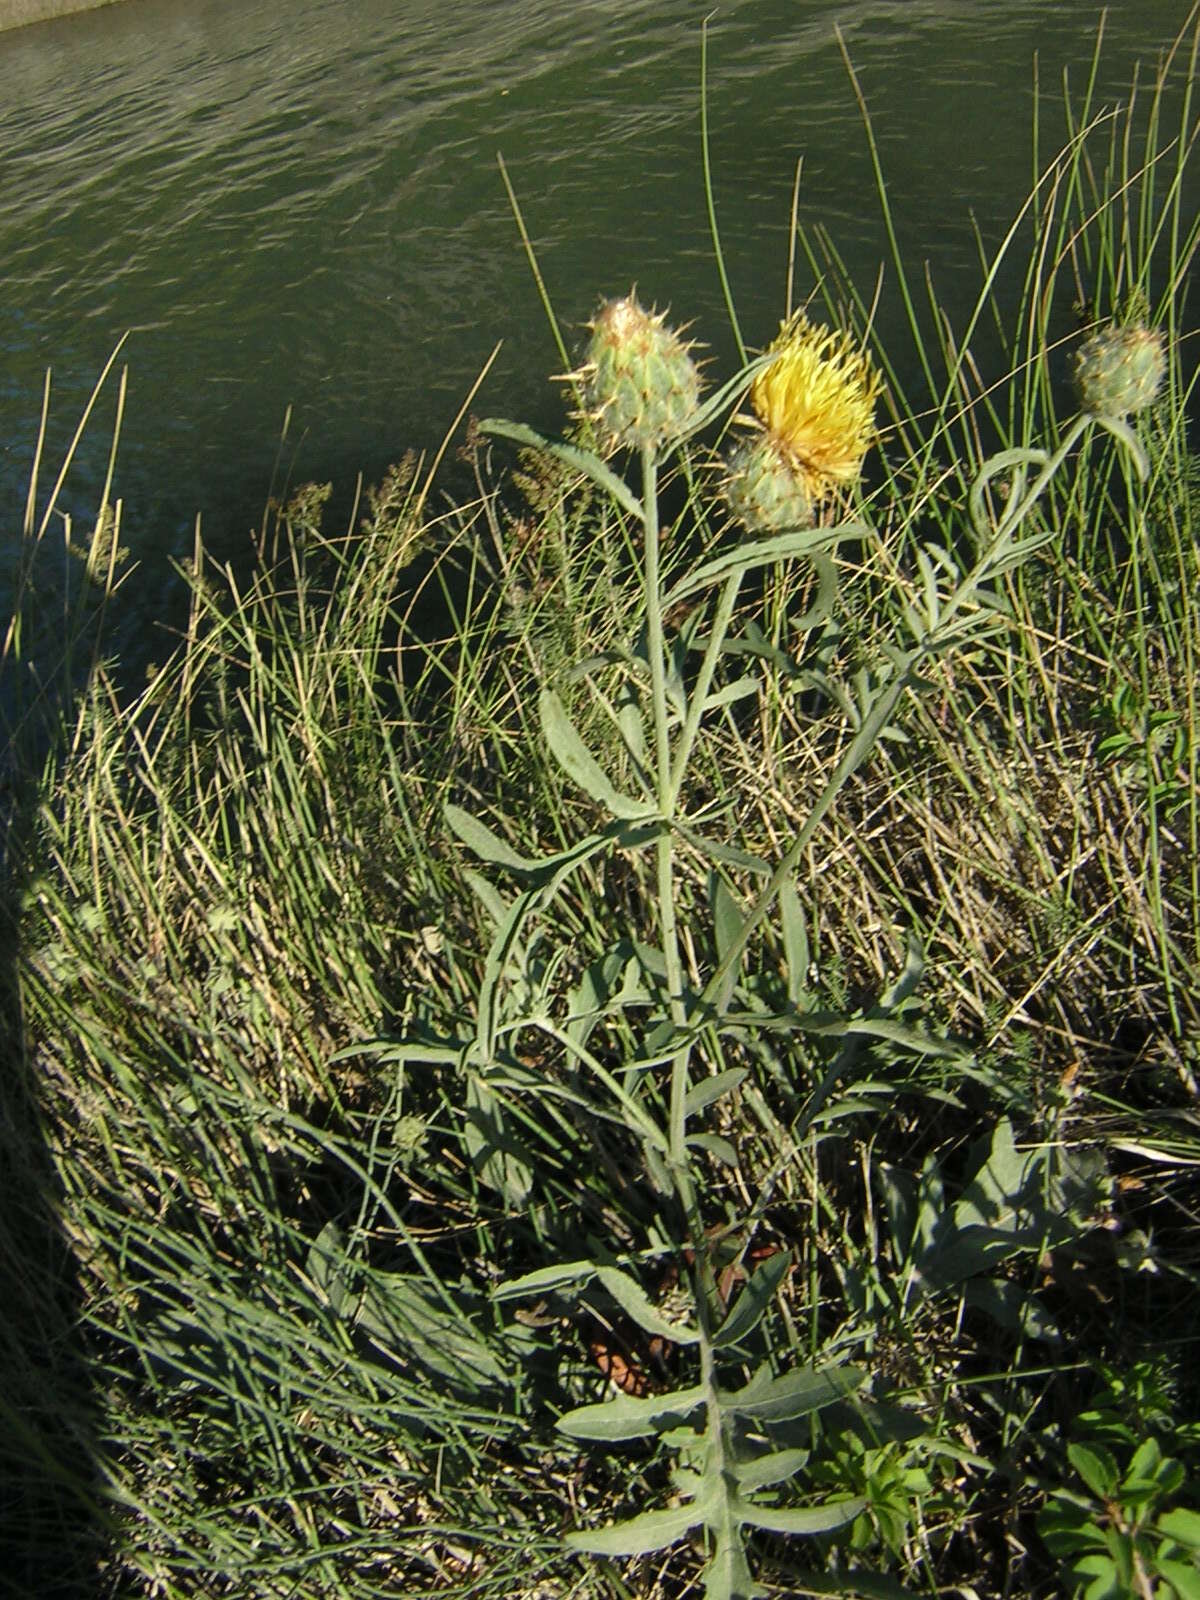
column 765, row 489
column 1119, row 370
column 641, row 383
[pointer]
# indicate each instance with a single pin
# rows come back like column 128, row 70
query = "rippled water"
column 299, row 204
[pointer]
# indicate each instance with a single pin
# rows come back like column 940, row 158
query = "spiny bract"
column 641, row 384
column 1119, row 370
column 763, row 489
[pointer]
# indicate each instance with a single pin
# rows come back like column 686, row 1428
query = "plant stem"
column 654, row 631
column 704, row 680
column 664, row 854
column 1012, row 521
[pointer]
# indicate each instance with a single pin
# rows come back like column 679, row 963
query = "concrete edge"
column 20, row 13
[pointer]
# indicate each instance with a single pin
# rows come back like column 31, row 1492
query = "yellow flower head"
column 816, row 401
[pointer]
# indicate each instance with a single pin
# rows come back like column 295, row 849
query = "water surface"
column 299, row 205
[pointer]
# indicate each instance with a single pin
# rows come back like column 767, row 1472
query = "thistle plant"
column 293, row 1264
column 811, row 396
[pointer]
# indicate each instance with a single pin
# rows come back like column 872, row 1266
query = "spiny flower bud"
column 1119, row 370
column 763, row 488
column 641, row 383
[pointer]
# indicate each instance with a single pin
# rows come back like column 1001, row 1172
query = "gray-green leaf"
column 632, row 1298
column 500, row 1160
column 708, row 1090
column 748, row 1309
column 726, row 914
column 651, row 1531
column 772, row 1468
column 628, row 1417
column 714, row 1145
column 803, row 1520
column 571, row 1274
column 745, row 557
column 582, row 460
column 577, row 761
column 796, row 953
column 488, row 846
column 405, row 1318
column 795, row 1394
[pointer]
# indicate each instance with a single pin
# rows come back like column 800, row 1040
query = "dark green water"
column 299, row 204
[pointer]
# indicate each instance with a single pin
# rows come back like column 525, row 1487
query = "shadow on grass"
column 52, row 1525
column 54, row 1529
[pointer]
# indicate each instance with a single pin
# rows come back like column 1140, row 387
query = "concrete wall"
column 16, row 13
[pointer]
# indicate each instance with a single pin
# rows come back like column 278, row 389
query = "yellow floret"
column 816, row 400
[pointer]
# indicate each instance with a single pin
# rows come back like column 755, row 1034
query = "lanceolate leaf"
column 500, row 1160
column 998, row 1193
column 731, row 692
column 542, row 868
column 632, row 1298
column 1004, row 461
column 651, row 1531
column 582, row 460
column 408, row 1321
column 823, row 602
column 577, row 761
column 794, row 1394
column 507, row 940
column 911, row 1038
column 1122, row 431
column 773, row 1468
column 719, row 1148
column 747, row 1310
column 708, row 1090
column 490, row 898
column 488, row 846
column 329, row 1268
column 571, row 1274
column 783, row 546
column 629, row 1418
column 419, row 1054
column 403, row 1316
column 499, row 953
column 600, row 474
column 804, row 1520
column 795, row 941
column 718, row 850
column 726, row 914
column 829, row 1025
column 1011, row 1306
